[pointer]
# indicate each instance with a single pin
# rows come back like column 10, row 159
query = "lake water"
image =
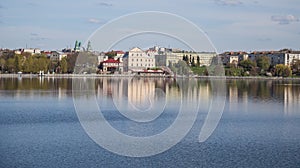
column 259, row 127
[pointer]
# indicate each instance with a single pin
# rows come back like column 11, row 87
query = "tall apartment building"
column 137, row 59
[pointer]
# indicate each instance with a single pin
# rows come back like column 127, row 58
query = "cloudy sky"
column 230, row 24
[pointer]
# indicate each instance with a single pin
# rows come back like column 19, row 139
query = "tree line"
column 27, row 63
column 261, row 66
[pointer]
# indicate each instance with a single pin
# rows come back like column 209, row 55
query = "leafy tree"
column 187, row 59
column 193, row 62
column 263, row 62
column 234, row 71
column 64, row 65
column 71, row 60
column 199, row 70
column 10, row 64
column 296, row 66
column 27, row 67
column 247, row 64
column 283, row 70
column 2, row 64
column 111, row 54
column 18, row 63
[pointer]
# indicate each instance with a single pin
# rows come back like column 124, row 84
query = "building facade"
column 57, row 56
column 205, row 58
column 111, row 66
column 137, row 59
column 278, row 57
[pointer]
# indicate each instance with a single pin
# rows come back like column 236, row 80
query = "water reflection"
column 291, row 99
column 141, row 91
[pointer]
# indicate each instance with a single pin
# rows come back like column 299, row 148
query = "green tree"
column 28, row 65
column 234, row 71
column 71, row 59
column 63, row 65
column 2, row 64
column 263, row 62
column 42, row 64
column 193, row 62
column 296, row 66
column 10, row 64
column 18, row 63
column 187, row 59
column 247, row 64
column 111, row 54
column 283, row 70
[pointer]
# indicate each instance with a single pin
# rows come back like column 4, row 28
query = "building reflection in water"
column 237, row 97
column 143, row 93
column 291, row 99
column 139, row 92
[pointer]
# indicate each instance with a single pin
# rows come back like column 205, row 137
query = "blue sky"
column 230, row 24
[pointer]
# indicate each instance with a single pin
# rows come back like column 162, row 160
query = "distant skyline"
column 236, row 25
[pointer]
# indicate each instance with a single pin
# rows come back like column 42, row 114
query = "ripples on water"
column 260, row 126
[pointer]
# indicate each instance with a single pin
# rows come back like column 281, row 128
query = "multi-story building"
column 285, row 57
column 205, row 58
column 166, row 59
column 233, row 57
column 137, row 59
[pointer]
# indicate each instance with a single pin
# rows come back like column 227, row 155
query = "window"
column 137, row 59
column 131, row 54
column 141, row 59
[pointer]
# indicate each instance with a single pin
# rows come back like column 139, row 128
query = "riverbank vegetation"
column 260, row 67
column 27, row 63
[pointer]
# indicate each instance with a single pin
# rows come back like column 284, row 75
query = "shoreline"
column 146, row 76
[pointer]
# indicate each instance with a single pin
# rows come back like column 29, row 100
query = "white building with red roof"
column 111, row 66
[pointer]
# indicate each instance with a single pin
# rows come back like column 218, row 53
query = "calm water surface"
column 260, row 125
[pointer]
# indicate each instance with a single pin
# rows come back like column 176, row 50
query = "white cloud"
column 93, row 20
column 284, row 19
column 229, row 2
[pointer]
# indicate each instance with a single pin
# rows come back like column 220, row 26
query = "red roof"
column 120, row 52
column 111, row 61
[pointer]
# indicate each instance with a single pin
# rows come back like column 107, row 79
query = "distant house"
column 57, row 55
column 137, row 59
column 285, row 57
column 32, row 51
column 233, row 57
column 111, row 66
column 119, row 55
